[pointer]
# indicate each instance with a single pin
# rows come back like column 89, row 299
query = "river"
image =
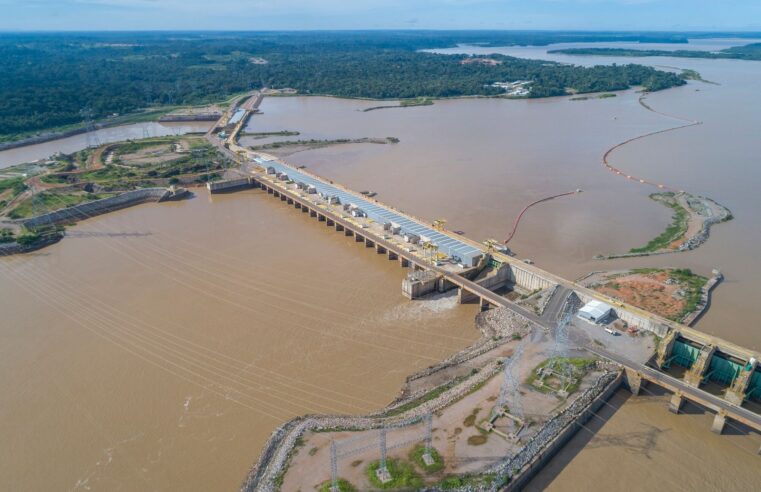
column 74, row 143
column 159, row 346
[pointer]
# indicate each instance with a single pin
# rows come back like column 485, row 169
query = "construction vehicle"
column 438, row 224
column 493, row 245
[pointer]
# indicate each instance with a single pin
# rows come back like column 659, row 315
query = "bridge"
column 443, row 260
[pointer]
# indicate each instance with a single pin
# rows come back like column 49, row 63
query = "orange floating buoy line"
column 545, row 199
column 630, row 177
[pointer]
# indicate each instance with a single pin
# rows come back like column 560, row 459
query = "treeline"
column 747, row 52
column 48, row 79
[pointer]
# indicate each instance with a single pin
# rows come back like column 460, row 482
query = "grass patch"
column 478, row 440
column 418, row 101
column 47, row 201
column 17, row 186
column 282, row 133
column 579, row 367
column 416, row 456
column 7, row 235
column 343, row 486
column 675, row 231
column 200, row 164
column 470, row 420
column 434, row 393
column 693, row 286
column 403, row 475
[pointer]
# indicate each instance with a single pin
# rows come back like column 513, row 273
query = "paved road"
column 549, row 319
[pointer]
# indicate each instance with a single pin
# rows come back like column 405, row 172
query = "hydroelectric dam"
column 440, row 260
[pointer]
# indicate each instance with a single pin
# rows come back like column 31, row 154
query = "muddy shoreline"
column 268, row 472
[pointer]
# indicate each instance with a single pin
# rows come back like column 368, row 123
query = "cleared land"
column 66, row 180
column 671, row 293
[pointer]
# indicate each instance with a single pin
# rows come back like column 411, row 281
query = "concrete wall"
column 414, row 288
column 634, row 319
column 541, row 458
column 228, row 185
column 97, row 207
column 528, row 280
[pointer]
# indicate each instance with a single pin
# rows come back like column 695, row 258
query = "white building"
column 595, row 311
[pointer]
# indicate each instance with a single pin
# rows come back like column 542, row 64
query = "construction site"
column 551, row 351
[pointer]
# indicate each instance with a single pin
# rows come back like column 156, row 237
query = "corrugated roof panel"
column 447, row 244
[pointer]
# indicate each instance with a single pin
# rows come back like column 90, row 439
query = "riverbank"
column 691, row 223
column 290, row 147
column 128, row 119
column 676, row 294
column 457, row 395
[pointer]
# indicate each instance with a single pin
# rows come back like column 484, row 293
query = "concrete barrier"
column 527, row 279
column 97, row 207
column 556, row 433
column 229, row 185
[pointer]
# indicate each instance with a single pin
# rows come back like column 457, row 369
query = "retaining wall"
column 97, row 207
column 558, row 431
column 229, row 185
column 528, row 280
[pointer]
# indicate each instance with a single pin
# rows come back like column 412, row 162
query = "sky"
column 106, row 15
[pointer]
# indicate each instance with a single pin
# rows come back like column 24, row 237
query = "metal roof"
column 236, row 117
column 595, row 309
column 448, row 245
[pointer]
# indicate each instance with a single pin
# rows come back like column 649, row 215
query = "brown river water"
column 157, row 347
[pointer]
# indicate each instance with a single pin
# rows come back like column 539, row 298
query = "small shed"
column 595, row 311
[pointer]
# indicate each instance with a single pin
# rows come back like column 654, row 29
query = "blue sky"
column 380, row 14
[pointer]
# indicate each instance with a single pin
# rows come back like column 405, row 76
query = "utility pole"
column 333, row 467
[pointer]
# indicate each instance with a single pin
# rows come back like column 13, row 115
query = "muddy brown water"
column 159, row 346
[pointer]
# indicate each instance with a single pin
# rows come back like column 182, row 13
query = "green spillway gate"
column 683, row 354
column 754, row 387
column 722, row 371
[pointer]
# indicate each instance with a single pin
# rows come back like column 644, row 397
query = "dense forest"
column 747, row 52
column 49, row 79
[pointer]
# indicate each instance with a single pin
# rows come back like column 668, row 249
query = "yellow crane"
column 493, row 245
column 432, row 250
column 438, row 224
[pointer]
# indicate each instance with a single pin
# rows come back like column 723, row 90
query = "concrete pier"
column 483, row 304
column 736, row 393
column 228, row 185
column 633, row 380
column 427, row 277
column 694, row 376
column 719, row 420
column 675, row 404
